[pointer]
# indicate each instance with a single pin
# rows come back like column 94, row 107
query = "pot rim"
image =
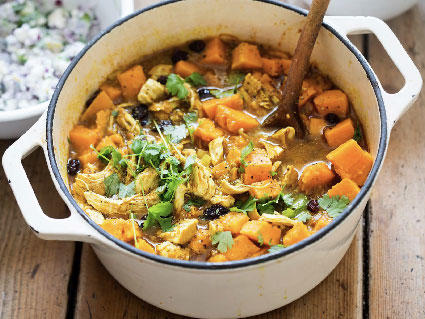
column 239, row 263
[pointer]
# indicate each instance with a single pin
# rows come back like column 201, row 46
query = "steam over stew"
column 170, row 157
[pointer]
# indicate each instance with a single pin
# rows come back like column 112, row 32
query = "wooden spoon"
column 287, row 111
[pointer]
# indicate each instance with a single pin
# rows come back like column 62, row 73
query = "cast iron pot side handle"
column 70, row 228
column 398, row 103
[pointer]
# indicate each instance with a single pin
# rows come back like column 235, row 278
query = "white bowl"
column 14, row 123
column 200, row 289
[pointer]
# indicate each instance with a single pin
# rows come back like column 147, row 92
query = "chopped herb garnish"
column 175, row 133
column 303, row 216
column 112, row 185
column 159, row 214
column 114, row 113
column 260, row 238
column 289, row 212
column 358, row 134
column 219, row 94
column 273, row 173
column 126, row 190
column 195, row 201
column 175, row 85
column 190, row 119
column 223, row 239
column 235, row 78
column 245, row 207
column 333, row 205
column 196, row 79
column 245, row 152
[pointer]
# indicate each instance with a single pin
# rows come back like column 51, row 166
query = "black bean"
column 162, row 79
column 332, row 118
column 215, row 211
column 73, row 166
column 204, row 94
column 313, row 206
column 179, row 55
column 162, row 124
column 92, row 97
column 197, row 45
column 141, row 114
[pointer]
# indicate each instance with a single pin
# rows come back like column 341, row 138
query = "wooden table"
column 381, row 276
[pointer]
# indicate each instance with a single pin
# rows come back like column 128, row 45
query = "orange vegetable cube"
column 258, row 167
column 186, row 68
column 131, row 81
column 219, row 258
column 241, row 249
column 246, row 56
column 233, row 222
column 268, row 188
column 221, row 169
column 101, row 102
column 113, row 92
column 145, row 246
column 340, row 133
column 332, row 101
column 351, row 161
column 323, row 221
column 315, row 176
column 234, row 101
column 122, row 229
column 286, row 65
column 346, row 187
column 89, row 157
column 233, row 120
column 262, row 232
column 215, row 52
column 201, row 242
column 115, row 140
column 297, row 233
column 207, row 131
column 82, row 137
column 316, row 126
column 272, row 67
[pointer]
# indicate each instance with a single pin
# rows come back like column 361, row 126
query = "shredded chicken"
column 152, row 91
column 127, row 122
column 224, row 200
column 182, row 232
column 228, row 188
column 147, row 181
column 170, row 250
column 166, row 106
column 278, row 219
column 284, row 135
column 202, row 183
column 91, row 182
column 216, row 150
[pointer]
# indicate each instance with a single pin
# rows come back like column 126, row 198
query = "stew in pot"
column 169, row 154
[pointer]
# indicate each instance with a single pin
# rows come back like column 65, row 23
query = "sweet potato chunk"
column 315, row 176
column 89, row 157
column 233, row 120
column 145, row 246
column 295, row 234
column 339, row 134
column 346, row 187
column 233, row 222
column 351, row 161
column 246, row 56
column 219, row 258
column 221, row 169
column 332, row 101
column 262, row 232
column 272, row 67
column 113, row 92
column 131, row 81
column 215, row 52
column 122, row 229
column 323, row 221
column 258, row 167
column 268, row 188
column 186, row 68
column 82, row 137
column 210, row 106
column 207, row 131
column 286, row 64
column 201, row 242
column 101, row 102
column 241, row 249
column 115, row 140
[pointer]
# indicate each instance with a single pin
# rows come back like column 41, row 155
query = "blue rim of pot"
column 239, row 263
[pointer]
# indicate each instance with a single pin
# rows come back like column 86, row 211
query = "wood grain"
column 397, row 238
column 34, row 273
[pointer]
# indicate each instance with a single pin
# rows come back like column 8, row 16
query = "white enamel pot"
column 214, row 290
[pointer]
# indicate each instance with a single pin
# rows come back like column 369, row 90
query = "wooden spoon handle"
column 288, row 110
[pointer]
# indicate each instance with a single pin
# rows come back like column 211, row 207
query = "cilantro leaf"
column 175, row 85
column 126, row 190
column 235, row 78
column 196, row 79
column 245, row 152
column 175, row 133
column 275, row 248
column 171, row 189
column 260, row 238
column 303, row 216
column 358, row 134
column 159, row 214
column 114, row 113
column 333, row 205
column 221, row 93
column 245, row 207
column 195, row 201
column 108, row 153
column 189, row 120
column 289, row 212
column 223, row 239
column 112, row 185
column 300, row 203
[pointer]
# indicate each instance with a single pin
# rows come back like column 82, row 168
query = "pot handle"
column 70, row 228
column 398, row 103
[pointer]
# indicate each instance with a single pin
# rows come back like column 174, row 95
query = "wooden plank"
column 34, row 273
column 336, row 297
column 397, row 237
